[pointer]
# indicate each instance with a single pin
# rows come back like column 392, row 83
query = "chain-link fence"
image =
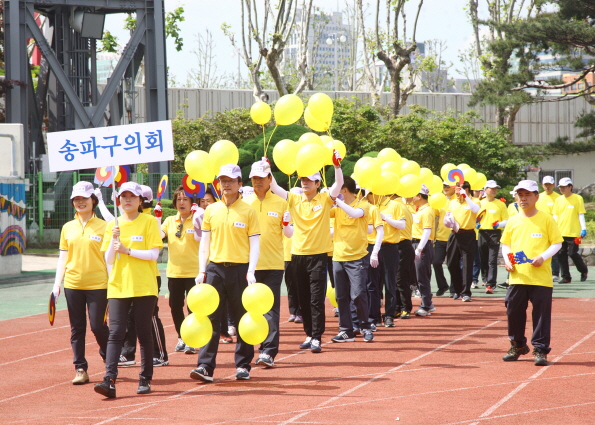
column 49, row 206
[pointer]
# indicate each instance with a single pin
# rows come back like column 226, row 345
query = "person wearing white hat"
column 546, row 202
column 442, row 235
column 83, row 270
column 490, row 230
column 528, row 242
column 231, row 245
column 569, row 212
column 295, row 314
column 310, row 247
column 132, row 248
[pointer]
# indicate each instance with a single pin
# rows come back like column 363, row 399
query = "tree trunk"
column 271, row 58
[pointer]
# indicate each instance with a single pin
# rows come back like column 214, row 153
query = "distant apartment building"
column 579, row 86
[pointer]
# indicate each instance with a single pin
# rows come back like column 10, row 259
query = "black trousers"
column 230, row 283
column 178, row 291
column 461, row 247
column 352, row 293
column 439, row 257
column 423, row 269
column 489, row 246
column 374, row 291
column 389, row 265
column 118, row 319
column 292, row 297
column 405, row 275
column 272, row 279
column 516, row 302
column 570, row 249
column 309, row 271
column 78, row 301
column 159, row 347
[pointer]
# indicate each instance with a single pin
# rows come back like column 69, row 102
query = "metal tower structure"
column 67, row 97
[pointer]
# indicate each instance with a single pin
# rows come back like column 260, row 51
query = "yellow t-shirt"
column 424, row 218
column 410, row 206
column 546, row 202
column 513, row 209
column 567, row 209
column 532, row 235
column 182, row 259
column 443, row 232
column 394, row 210
column 462, row 213
column 85, row 265
column 132, row 277
column 351, row 234
column 494, row 211
column 406, row 215
column 375, row 220
column 270, row 216
column 311, row 224
column 230, row 231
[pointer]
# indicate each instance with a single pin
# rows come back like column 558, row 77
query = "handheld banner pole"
column 114, row 173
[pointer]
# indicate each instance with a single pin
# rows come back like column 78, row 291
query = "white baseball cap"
column 84, row 189
column 259, row 169
column 230, row 170
column 424, row 190
column 147, row 192
column 491, row 184
column 247, row 191
column 565, row 181
column 132, row 187
column 529, row 185
column 548, row 179
column 314, row 177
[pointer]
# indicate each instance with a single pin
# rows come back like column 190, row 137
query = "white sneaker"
column 432, row 309
column 555, row 279
column 422, row 312
column 231, row 330
column 474, row 285
column 467, row 299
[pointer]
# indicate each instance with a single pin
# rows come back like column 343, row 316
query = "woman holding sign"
column 85, row 276
column 131, row 244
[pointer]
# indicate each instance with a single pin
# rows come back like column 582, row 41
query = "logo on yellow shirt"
column 240, row 225
column 138, row 238
column 95, row 238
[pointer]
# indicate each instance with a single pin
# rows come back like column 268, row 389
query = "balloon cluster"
column 202, row 167
column 257, row 300
column 197, row 329
column 456, row 174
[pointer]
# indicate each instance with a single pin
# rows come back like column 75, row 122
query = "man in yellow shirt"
column 274, row 221
column 423, row 233
column 311, row 244
column 461, row 215
column 406, row 271
column 490, row 230
column 230, row 243
column 535, row 234
column 545, row 203
column 375, row 236
column 569, row 212
column 442, row 235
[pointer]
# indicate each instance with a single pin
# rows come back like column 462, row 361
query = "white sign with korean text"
column 105, row 146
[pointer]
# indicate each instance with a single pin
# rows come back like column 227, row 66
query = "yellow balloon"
column 196, row 331
column 389, row 154
column 470, row 175
column 223, row 152
column 260, row 112
column 313, row 123
column 387, row 184
column 203, row 299
column 253, row 328
column 437, row 200
column 463, row 166
column 309, row 138
column 391, row 166
column 426, row 176
column 446, row 168
column 321, row 107
column 480, row 182
column 436, row 185
column 367, row 173
column 330, row 293
column 410, row 185
column 198, row 166
column 334, row 145
column 410, row 167
column 288, row 109
column 310, row 159
column 284, row 154
column 325, row 138
column 258, row 298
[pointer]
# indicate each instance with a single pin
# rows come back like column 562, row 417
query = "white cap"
column 147, row 192
column 513, row 193
column 247, row 191
column 565, row 181
column 230, row 170
column 447, row 183
column 259, row 169
column 314, row 177
column 548, row 179
column 491, row 184
column 424, row 190
column 84, row 189
column 132, row 187
column 529, row 185
column 296, row 190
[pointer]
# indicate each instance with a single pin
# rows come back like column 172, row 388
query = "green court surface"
column 29, row 293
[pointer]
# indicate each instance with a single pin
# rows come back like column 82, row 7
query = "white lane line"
column 35, row 332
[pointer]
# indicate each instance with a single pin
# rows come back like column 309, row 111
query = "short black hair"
column 424, row 196
column 349, row 184
column 147, row 203
column 466, row 185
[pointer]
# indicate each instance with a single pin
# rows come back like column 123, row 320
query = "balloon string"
column 296, row 181
column 266, row 148
column 264, row 140
column 324, row 176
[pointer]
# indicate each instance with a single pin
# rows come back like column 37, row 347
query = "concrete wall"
column 7, row 150
column 12, row 225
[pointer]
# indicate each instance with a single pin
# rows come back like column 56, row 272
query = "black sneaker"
column 373, row 327
column 123, row 362
column 455, row 296
column 306, row 344
column 201, row 374
column 315, row 346
column 242, row 374
column 440, row 292
column 584, row 276
column 343, row 337
column 368, row 335
column 180, row 346
column 266, row 360
column 389, row 322
column 158, row 362
column 503, row 285
column 357, row 331
column 515, row 352
column 144, row 386
column 540, row 358
column 107, row 388
column 565, row 281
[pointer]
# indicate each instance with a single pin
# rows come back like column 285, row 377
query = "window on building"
column 581, row 86
column 556, row 174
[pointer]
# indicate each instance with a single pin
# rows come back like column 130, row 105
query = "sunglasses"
column 179, row 232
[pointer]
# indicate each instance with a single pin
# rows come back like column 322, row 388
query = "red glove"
column 194, row 208
column 578, row 240
column 511, row 258
column 503, row 200
column 158, row 210
column 337, row 158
